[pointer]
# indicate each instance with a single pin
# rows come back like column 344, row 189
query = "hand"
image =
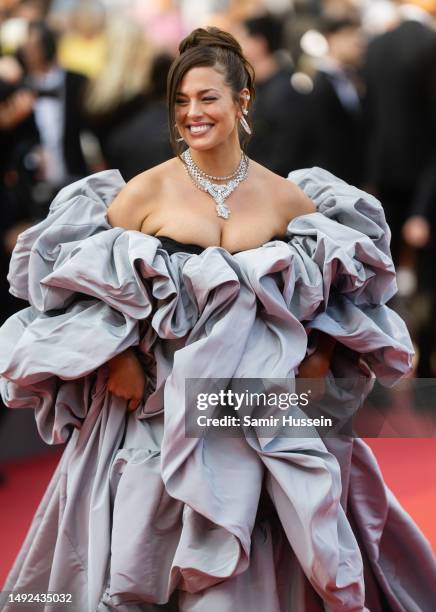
column 315, row 366
column 10, row 69
column 15, row 109
column 127, row 378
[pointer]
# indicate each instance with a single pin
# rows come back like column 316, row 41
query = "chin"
column 201, row 146
column 207, row 143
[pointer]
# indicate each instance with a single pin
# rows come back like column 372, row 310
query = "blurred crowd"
column 348, row 85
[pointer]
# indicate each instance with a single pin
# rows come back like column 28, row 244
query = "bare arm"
column 317, row 364
column 127, row 378
column 296, row 201
column 131, row 206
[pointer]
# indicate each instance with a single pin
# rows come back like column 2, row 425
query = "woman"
column 164, row 282
column 125, row 100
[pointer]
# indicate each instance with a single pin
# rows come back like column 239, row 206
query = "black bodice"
column 172, row 246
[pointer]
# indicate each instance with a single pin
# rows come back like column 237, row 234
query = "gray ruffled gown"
column 139, row 517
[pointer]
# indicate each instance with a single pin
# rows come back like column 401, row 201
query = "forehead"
column 202, row 78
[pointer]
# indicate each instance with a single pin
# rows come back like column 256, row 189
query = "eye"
column 180, row 101
column 209, row 99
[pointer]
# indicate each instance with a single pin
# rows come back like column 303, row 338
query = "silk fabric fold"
column 137, row 515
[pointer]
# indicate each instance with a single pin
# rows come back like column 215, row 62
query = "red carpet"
column 409, row 467
column 24, row 485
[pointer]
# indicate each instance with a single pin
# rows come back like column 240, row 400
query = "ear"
column 244, row 101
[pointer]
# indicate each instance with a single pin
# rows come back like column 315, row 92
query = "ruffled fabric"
column 137, row 512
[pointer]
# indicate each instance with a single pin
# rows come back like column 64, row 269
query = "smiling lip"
column 199, row 129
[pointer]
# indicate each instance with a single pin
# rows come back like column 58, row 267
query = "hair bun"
column 214, row 49
column 210, row 37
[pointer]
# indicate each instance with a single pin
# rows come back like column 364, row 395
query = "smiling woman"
column 198, row 110
column 210, row 93
column 166, row 288
column 197, row 99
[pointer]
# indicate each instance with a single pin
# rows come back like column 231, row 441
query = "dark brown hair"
column 209, row 47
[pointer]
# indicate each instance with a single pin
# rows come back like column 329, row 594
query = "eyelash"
column 203, row 100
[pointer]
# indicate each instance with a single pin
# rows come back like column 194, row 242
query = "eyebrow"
column 180, row 93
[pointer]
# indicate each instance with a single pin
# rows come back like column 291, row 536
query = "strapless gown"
column 139, row 517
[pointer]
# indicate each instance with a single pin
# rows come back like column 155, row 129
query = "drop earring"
column 180, row 139
column 244, row 123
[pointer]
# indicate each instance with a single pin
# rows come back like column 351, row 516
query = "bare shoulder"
column 132, row 205
column 289, row 197
column 293, row 199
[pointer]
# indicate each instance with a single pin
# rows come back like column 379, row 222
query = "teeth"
column 197, row 129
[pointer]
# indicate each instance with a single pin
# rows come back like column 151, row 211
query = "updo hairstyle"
column 210, row 47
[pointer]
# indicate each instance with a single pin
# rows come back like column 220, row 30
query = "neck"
column 219, row 161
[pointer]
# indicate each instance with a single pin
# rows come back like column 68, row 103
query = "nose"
column 194, row 109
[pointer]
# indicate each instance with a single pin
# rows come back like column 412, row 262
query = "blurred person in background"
column 57, row 108
column 18, row 135
column 82, row 46
column 332, row 121
column 276, row 140
column 401, row 77
column 125, row 104
column 162, row 21
column 419, row 233
column 18, row 139
column 31, row 10
column 400, row 72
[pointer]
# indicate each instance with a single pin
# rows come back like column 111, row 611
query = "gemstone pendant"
column 219, row 193
column 222, row 211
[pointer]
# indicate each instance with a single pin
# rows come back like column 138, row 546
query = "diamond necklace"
column 219, row 193
column 211, row 177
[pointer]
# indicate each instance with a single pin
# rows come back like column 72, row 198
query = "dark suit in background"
column 134, row 135
column 400, row 71
column 16, row 182
column 16, row 142
column 58, row 109
column 60, row 123
column 332, row 122
column 74, row 125
column 277, row 141
column 401, row 75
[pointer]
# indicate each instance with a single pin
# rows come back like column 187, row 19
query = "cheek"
column 178, row 114
column 226, row 116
